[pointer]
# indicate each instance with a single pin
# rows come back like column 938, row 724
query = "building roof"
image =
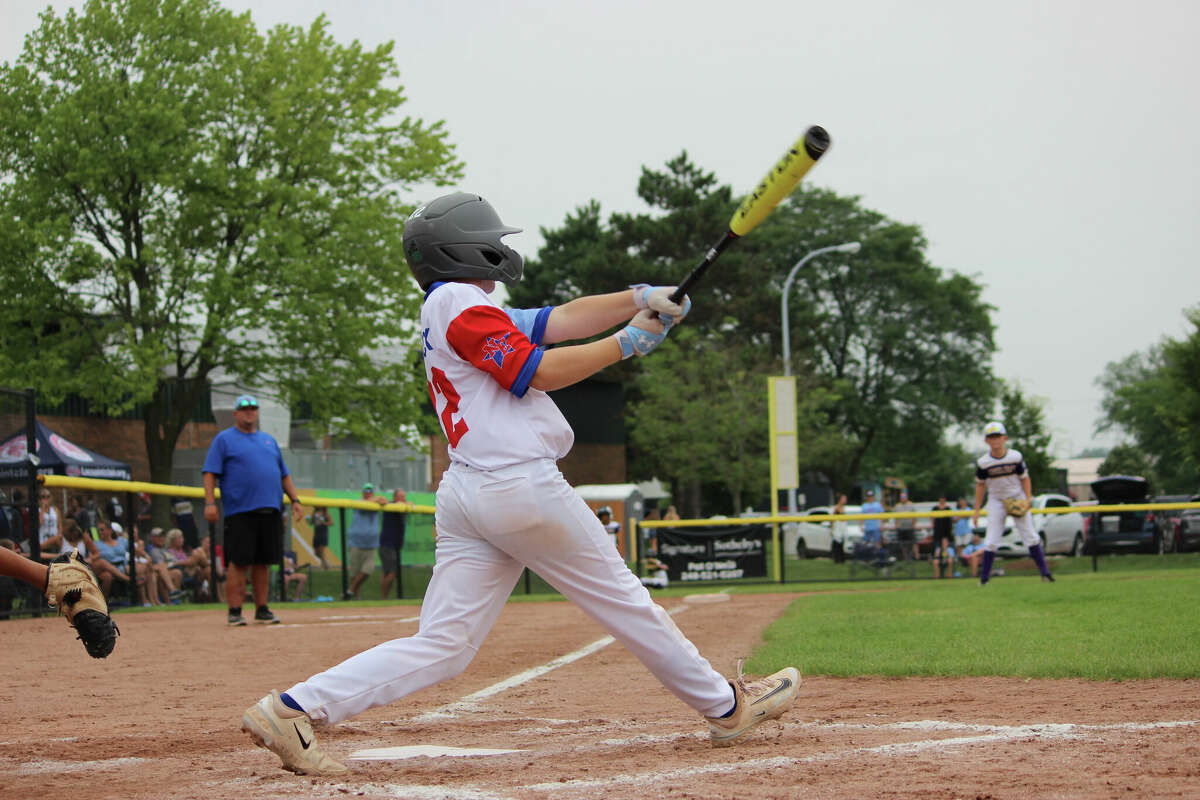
column 1079, row 470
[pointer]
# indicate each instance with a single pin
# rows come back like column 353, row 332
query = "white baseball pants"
column 490, row 525
column 995, row 525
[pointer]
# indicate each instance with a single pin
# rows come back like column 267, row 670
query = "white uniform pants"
column 995, row 525
column 490, row 525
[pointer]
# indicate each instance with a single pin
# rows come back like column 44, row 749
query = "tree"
column 881, row 343
column 1154, row 397
column 913, row 343
column 703, row 422
column 1129, row 459
column 184, row 198
column 1025, row 420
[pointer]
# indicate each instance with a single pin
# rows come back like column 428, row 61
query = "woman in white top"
column 48, row 527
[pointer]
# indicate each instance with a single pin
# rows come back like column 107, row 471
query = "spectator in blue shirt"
column 250, row 468
column 871, row 546
column 362, row 541
column 962, row 525
column 872, row 528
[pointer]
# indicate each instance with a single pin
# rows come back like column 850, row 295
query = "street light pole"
column 848, row 247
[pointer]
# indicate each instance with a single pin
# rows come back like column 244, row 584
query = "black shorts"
column 389, row 559
column 905, row 534
column 321, row 536
column 254, row 537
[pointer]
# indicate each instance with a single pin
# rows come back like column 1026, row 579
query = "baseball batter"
column 1001, row 474
column 503, row 504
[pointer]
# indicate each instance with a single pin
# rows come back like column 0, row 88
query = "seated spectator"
column 215, row 563
column 112, row 552
column 656, row 573
column 71, row 538
column 293, row 576
column 189, row 564
column 943, row 558
column 169, row 582
column 161, row 583
column 972, row 554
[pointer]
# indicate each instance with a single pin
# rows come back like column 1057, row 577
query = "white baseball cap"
column 994, row 428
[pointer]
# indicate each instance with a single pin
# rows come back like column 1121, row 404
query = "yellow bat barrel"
column 780, row 181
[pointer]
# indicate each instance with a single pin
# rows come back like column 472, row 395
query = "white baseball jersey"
column 479, row 360
column 1002, row 475
column 613, row 529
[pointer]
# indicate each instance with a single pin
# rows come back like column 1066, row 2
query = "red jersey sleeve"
column 486, row 337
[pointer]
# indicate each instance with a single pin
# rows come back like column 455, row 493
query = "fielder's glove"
column 1016, row 506
column 71, row 585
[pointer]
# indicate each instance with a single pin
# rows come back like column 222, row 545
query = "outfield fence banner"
column 723, row 553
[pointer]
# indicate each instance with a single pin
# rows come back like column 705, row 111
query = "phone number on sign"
column 711, row 571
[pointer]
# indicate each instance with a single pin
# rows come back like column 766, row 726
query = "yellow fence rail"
column 100, row 485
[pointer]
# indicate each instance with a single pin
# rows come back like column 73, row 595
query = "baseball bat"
column 777, row 184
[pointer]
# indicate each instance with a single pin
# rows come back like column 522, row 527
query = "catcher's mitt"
column 1016, row 506
column 72, row 586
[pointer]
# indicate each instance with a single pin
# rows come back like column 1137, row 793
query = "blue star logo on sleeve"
column 425, row 341
column 496, row 348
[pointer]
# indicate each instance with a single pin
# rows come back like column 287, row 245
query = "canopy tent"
column 56, row 456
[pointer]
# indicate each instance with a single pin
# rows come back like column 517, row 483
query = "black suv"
column 1121, row 530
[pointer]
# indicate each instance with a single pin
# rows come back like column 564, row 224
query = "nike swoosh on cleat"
column 785, row 683
column 300, row 736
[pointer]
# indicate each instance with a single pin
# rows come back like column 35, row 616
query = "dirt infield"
column 160, row 719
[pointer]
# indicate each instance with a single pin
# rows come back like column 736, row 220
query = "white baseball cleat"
column 758, row 700
column 288, row 734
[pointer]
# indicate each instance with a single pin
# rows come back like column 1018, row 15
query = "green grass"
column 1113, row 625
column 1135, row 618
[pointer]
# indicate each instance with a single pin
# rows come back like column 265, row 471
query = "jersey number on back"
column 440, row 384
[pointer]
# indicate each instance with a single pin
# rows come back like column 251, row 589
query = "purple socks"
column 1039, row 558
column 985, row 570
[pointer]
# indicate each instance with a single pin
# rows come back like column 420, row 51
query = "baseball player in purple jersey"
column 1000, row 473
column 503, row 505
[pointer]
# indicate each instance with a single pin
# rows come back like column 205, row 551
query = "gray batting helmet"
column 458, row 236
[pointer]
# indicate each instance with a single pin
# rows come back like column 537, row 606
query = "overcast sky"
column 1046, row 148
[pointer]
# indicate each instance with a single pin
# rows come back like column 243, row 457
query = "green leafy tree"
column 1154, row 397
column 1129, row 459
column 183, row 197
column 1025, row 420
column 1182, row 365
column 882, row 340
column 703, row 422
column 912, row 343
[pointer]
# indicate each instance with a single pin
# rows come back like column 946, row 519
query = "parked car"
column 1106, row 531
column 1188, row 528
column 1168, row 520
column 812, row 539
column 1060, row 533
